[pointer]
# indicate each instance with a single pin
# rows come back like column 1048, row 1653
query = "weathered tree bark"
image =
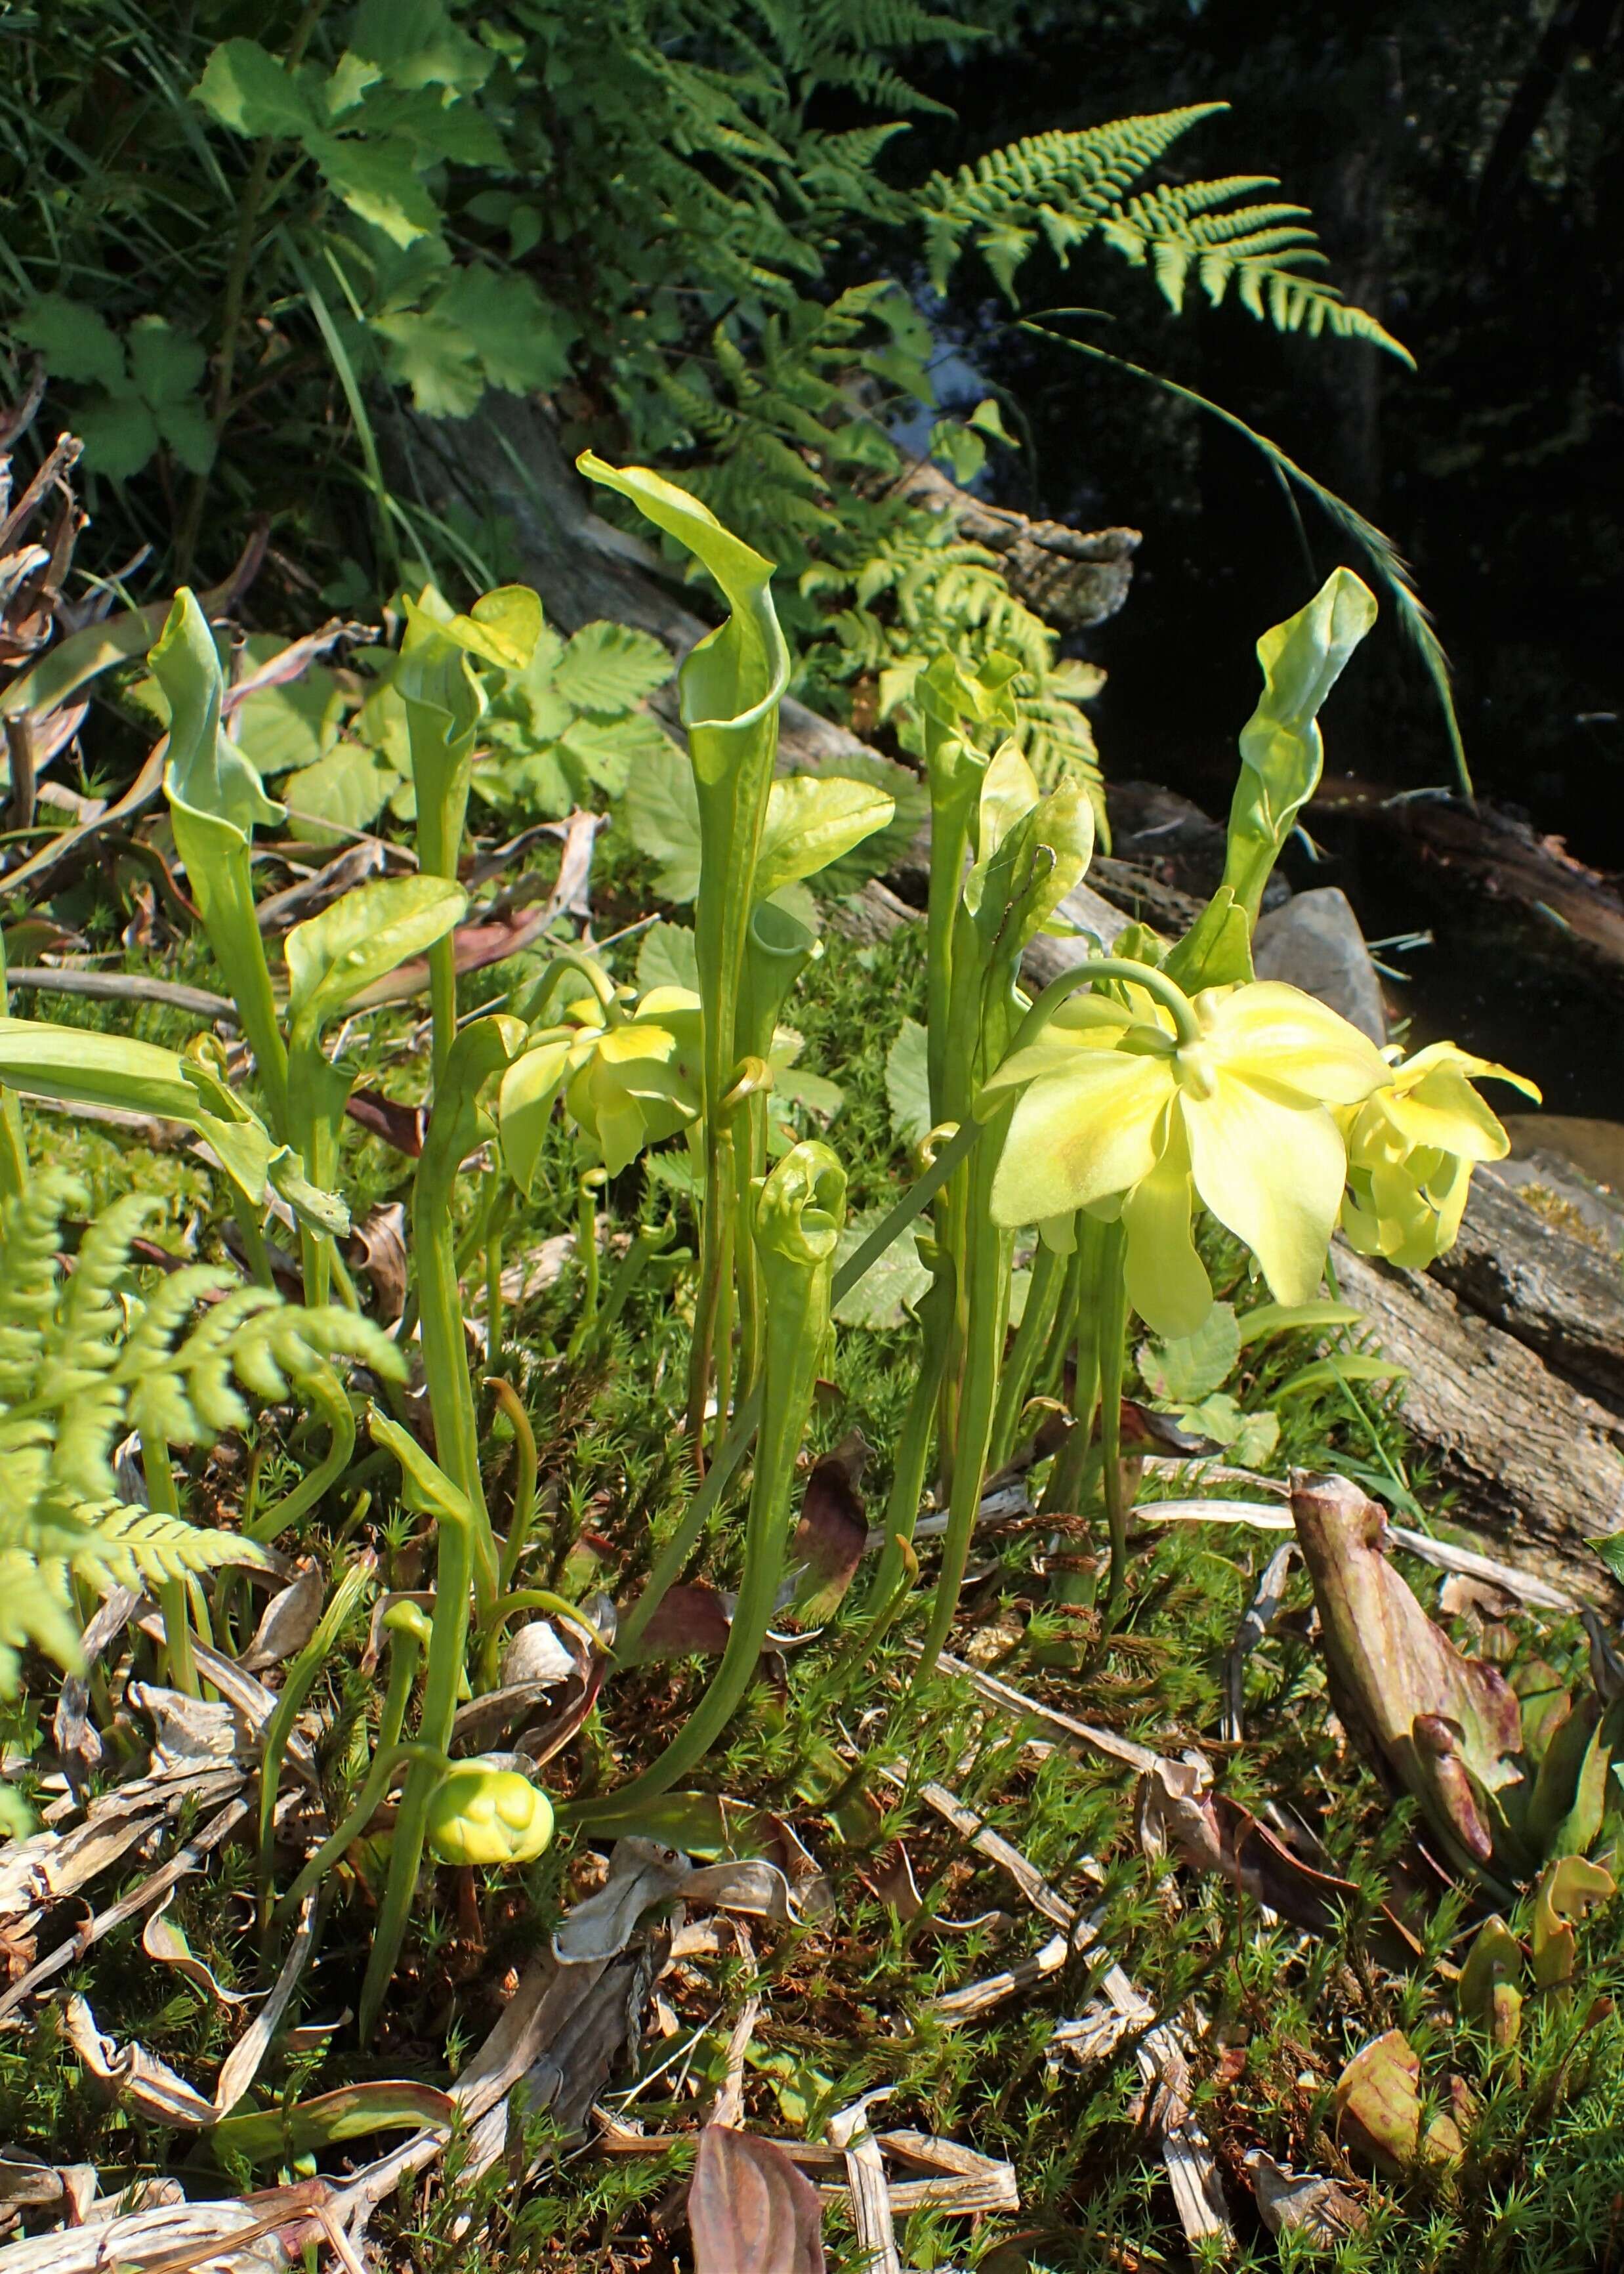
column 1072, row 578
column 1515, row 1349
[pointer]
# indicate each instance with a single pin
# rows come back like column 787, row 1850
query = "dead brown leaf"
column 750, row 2210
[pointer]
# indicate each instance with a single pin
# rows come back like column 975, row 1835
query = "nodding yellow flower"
column 1411, row 1151
column 626, row 1084
column 1121, row 1112
column 640, row 1080
column 482, row 1814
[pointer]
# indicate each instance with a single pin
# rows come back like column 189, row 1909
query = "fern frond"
column 36, row 1613
column 1261, row 249
column 141, row 1547
column 1065, row 181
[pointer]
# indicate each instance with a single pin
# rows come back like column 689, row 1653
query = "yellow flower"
column 1412, row 1149
column 482, row 1814
column 626, row 1085
column 1118, row 1114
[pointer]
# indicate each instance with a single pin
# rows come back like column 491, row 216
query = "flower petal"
column 1079, row 1133
column 1443, row 1109
column 1269, row 1031
column 1166, row 1281
column 1273, row 1172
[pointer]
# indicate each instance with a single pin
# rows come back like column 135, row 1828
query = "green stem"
column 1043, row 1294
column 173, row 1601
column 443, row 1682
column 527, row 1599
column 908, row 1486
column 323, row 1387
column 300, row 1677
column 669, row 1563
column 587, row 1253
column 424, row 1758
column 1186, row 1025
column 1113, row 1321
column 525, row 1480
column 987, row 1316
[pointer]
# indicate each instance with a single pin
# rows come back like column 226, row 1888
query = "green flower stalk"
column 800, row 1210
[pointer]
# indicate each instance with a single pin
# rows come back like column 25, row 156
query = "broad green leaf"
column 342, row 794
column 1281, row 752
column 248, row 90
column 612, row 667
column 987, row 419
column 186, row 429
column 661, row 807
column 886, row 848
column 75, row 341
column 888, row 1290
column 815, row 1091
column 812, row 819
column 667, row 959
column 1183, row 1371
column 363, row 936
column 908, row 1084
column 418, row 43
column 963, row 452
column 84, row 1066
column 521, row 339
column 610, row 751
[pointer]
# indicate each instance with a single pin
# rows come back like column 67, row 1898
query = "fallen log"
column 1537, row 1466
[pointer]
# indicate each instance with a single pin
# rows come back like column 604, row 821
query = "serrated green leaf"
column 428, row 353
column 884, row 1297
column 964, row 454
column 610, row 751
column 379, row 183
column 119, row 434
column 246, row 89
column 75, row 341
column 342, row 794
column 282, row 727
column 1184, row 1371
column 186, row 428
column 164, row 364
column 418, row 44
column 908, row 1084
column 613, row 667
column 521, row 340
column 661, row 807
column 667, row 957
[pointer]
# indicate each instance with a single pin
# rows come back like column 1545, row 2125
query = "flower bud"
column 482, row 1814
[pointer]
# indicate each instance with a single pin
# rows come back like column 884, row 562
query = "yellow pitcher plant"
column 1412, row 1149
